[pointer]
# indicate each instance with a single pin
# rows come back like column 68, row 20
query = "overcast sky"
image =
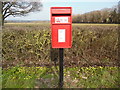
column 79, row 7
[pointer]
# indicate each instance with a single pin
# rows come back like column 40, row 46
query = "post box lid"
column 61, row 10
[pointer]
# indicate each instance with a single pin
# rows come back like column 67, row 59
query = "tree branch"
column 19, row 8
column 6, row 9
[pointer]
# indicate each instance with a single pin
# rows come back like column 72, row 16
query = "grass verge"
column 76, row 77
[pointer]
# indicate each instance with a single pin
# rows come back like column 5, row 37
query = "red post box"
column 61, row 27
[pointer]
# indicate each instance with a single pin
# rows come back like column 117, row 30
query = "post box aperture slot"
column 61, row 14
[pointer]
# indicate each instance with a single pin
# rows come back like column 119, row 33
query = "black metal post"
column 61, row 52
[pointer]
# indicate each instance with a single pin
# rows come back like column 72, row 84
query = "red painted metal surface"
column 61, row 27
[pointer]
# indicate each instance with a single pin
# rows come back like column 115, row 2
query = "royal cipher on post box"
column 61, row 27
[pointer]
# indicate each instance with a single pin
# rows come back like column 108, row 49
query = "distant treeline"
column 107, row 15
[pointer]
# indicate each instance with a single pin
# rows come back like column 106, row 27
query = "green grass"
column 76, row 77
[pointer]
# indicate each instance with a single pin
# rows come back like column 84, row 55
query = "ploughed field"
column 28, row 56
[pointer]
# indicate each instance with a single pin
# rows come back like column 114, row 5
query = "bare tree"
column 19, row 8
